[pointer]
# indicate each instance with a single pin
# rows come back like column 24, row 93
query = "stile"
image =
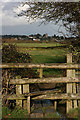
column 22, row 85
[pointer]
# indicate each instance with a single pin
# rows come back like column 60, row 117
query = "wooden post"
column 77, row 84
column 6, row 76
column 69, row 85
column 55, row 105
column 78, row 88
column 18, row 91
column 7, row 85
column 26, row 103
column 79, row 93
column 74, row 89
column 40, row 70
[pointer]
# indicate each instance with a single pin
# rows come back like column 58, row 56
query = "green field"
column 35, row 44
column 47, row 56
column 42, row 55
column 55, row 55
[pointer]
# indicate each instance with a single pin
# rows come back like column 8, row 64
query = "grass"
column 15, row 113
column 74, row 113
column 53, row 73
column 55, row 55
column 49, row 56
column 52, row 115
column 46, row 56
column 35, row 44
column 42, row 56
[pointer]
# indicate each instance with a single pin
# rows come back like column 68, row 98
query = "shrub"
column 11, row 55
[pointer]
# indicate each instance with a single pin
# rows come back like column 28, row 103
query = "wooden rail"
column 23, row 94
column 63, row 96
column 45, row 80
column 53, row 96
column 46, row 65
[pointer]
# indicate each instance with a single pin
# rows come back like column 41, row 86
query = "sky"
column 11, row 24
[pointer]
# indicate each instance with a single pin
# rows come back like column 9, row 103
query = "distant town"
column 33, row 38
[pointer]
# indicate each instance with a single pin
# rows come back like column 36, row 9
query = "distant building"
column 16, row 39
column 34, row 39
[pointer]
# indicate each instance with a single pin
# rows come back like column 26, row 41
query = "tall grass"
column 14, row 113
column 74, row 114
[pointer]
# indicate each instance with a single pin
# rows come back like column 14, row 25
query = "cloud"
column 20, row 8
column 12, row 24
column 11, row 20
column 10, row 11
column 12, row 1
column 9, row 14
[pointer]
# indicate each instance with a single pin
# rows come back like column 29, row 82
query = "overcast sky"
column 12, row 24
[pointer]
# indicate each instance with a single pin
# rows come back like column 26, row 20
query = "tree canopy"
column 66, row 12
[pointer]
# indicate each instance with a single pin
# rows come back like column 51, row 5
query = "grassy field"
column 44, row 55
column 55, row 55
column 35, row 44
column 47, row 56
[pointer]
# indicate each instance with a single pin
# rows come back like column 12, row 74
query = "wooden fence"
column 23, row 95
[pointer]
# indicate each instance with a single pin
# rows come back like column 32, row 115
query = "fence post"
column 55, row 105
column 6, row 76
column 18, row 92
column 40, row 70
column 26, row 103
column 7, row 80
column 79, row 93
column 78, row 89
column 69, row 85
column 74, row 89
